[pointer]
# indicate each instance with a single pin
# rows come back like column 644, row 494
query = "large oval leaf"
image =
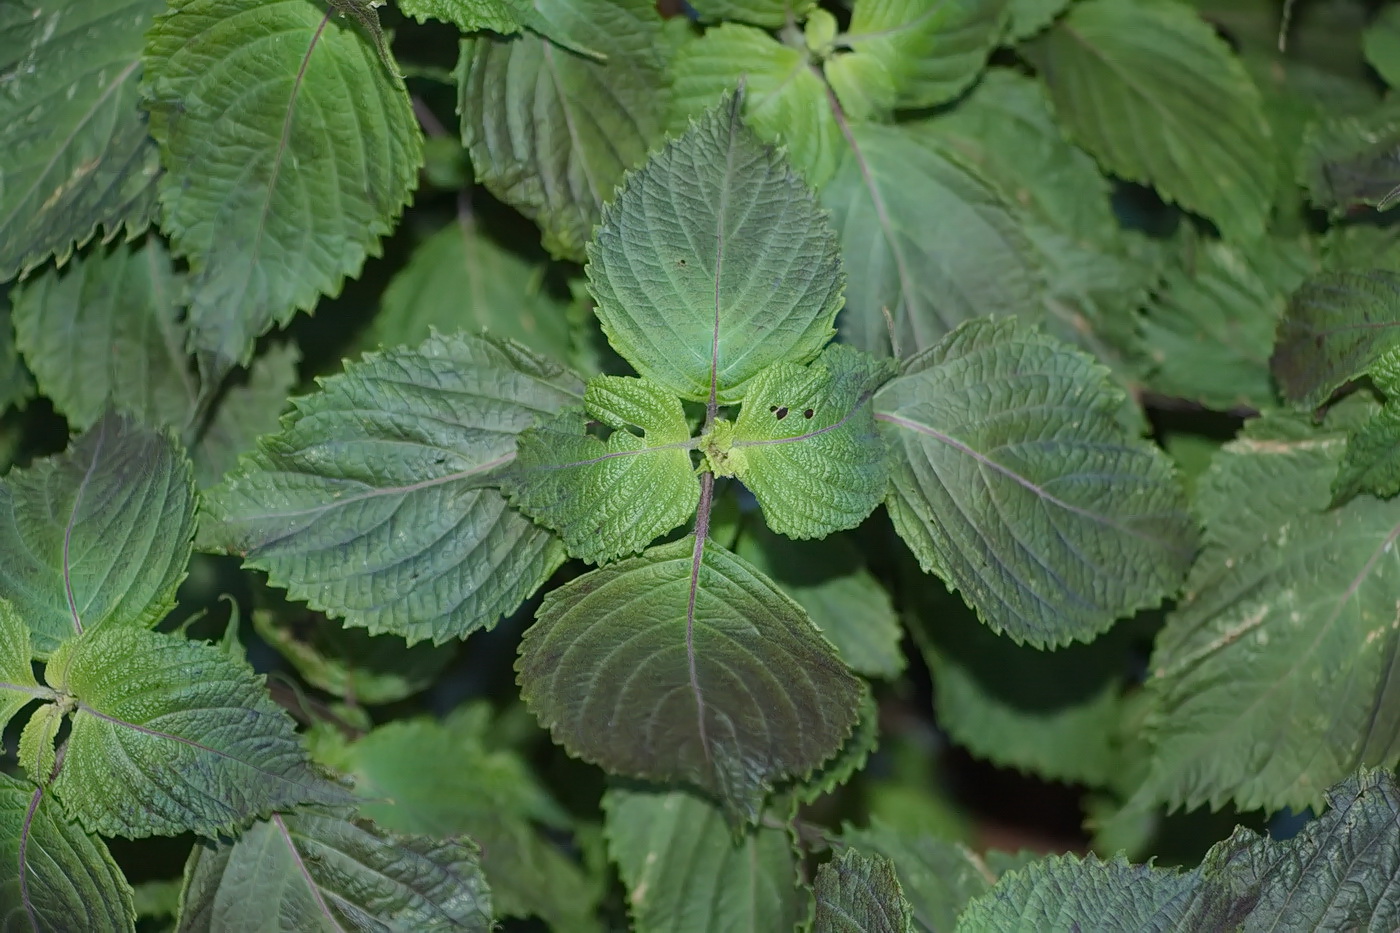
column 686, row 663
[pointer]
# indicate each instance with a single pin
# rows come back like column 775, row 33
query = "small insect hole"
column 780, row 412
column 807, row 413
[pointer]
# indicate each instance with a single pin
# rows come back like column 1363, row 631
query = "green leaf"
column 504, row 17
column 1028, row 17
column 551, row 132
column 1336, row 874
column 441, row 779
column 846, row 603
column 913, row 53
column 785, row 99
column 271, row 226
column 1352, row 160
column 614, row 497
column 714, row 263
column 846, row 764
column 16, row 383
column 1372, row 461
column 172, row 736
column 324, row 873
column 77, row 157
column 18, row 688
column 1209, row 330
column 686, row 663
column 928, row 277
column 98, row 535
column 768, row 13
column 1382, row 44
column 56, row 871
column 37, row 753
column 371, row 502
column 1159, row 98
column 248, row 408
column 806, row 445
column 684, row 870
column 1015, row 481
column 1338, row 324
column 461, row 279
column 1290, row 606
column 857, row 893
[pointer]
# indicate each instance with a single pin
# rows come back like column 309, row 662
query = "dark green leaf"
column 550, row 131
column 714, row 263
column 97, row 536
column 1382, row 45
column 324, row 873
column 287, row 159
column 372, row 503
column 857, row 893
column 16, row 384
column 769, row 13
column 1029, row 17
column 1350, row 160
column 1015, row 481
column 55, row 872
column 172, row 736
column 684, row 871
column 1337, row 325
column 686, row 663
column 76, row 156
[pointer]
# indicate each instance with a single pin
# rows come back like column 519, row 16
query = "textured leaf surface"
column 1290, row 607
column 97, row 535
column 54, row 871
column 686, row 663
column 806, row 445
column 770, row 13
column 324, row 873
column 1338, row 873
column 1371, row 463
column 16, row 384
column 1014, row 480
column 270, row 226
column 371, row 502
column 442, row 778
column 614, row 497
column 170, row 736
column 1352, row 160
column 77, row 157
column 1337, row 325
column 785, row 99
column 17, row 684
column 1159, row 98
column 857, row 893
column 499, row 16
column 917, row 53
column 461, row 279
column 844, row 600
column 551, row 132
column 683, row 870
column 714, row 263
column 1209, row 332
column 930, row 277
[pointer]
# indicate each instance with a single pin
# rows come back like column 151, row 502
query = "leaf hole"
column 779, row 412
column 807, row 414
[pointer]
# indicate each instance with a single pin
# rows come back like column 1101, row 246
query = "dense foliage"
column 723, row 428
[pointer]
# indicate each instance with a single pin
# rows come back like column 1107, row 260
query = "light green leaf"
column 372, row 503
column 55, row 871
column 1336, row 874
column 37, row 753
column 1028, row 17
column 16, row 384
column 444, row 779
column 785, row 99
column 806, row 445
column 1209, row 330
column 915, row 53
column 323, row 873
column 686, row 663
column 1382, row 44
column 550, row 131
column 76, row 154
column 270, row 226
column 1338, row 324
column 714, row 263
column 461, row 279
column 98, row 535
column 857, row 893
column 1372, row 461
column 1015, row 481
column 928, row 277
column 1159, row 98
column 1352, row 160
column 684, row 870
column 607, row 498
column 18, row 688
column 172, row 736
column 504, row 17
column 768, row 13
column 846, row 603
column 1290, row 607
